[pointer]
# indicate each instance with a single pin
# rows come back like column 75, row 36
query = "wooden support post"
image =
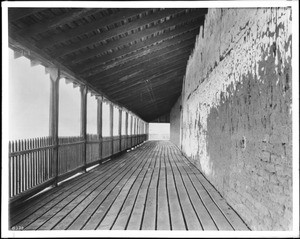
column 120, row 129
column 136, row 130
column 53, row 118
column 99, row 125
column 147, row 131
column 126, row 129
column 131, row 129
column 83, row 117
column 111, row 108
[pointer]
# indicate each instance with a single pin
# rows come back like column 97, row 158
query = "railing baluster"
column 40, row 161
column 25, row 167
column 27, row 164
column 34, row 144
column 21, row 167
column 35, row 162
column 23, row 179
column 67, row 152
column 60, row 155
column 18, row 168
column 43, row 159
column 47, row 156
column 65, row 155
column 46, row 161
column 32, row 165
column 15, row 169
column 10, row 170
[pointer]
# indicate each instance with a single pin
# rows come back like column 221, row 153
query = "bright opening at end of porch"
column 159, row 131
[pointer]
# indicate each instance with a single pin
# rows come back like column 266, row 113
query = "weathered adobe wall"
column 237, row 116
column 175, row 123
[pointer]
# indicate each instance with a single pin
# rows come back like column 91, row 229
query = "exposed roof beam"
column 172, row 81
column 116, row 31
column 156, row 52
column 144, row 89
column 194, row 16
column 92, row 26
column 126, row 84
column 163, row 99
column 141, row 85
column 18, row 13
column 57, row 21
column 155, row 48
column 167, row 41
column 162, row 107
column 150, row 64
column 143, row 73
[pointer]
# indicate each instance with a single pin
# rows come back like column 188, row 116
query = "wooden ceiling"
column 136, row 57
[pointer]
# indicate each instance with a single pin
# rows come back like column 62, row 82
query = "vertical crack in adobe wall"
column 236, row 106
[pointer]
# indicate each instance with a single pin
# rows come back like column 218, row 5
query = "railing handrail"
column 27, row 151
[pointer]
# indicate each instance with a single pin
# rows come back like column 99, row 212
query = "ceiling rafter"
column 194, row 16
column 19, row 13
column 78, row 31
column 128, row 87
column 144, row 74
column 56, row 21
column 157, row 51
column 155, row 87
column 141, row 86
column 166, row 59
column 135, row 58
column 132, row 82
column 154, row 58
column 64, row 50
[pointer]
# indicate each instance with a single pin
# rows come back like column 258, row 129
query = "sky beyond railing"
column 29, row 99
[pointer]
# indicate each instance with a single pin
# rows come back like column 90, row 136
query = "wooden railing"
column 32, row 167
column 70, row 154
column 93, row 148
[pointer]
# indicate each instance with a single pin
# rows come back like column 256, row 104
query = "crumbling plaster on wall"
column 242, row 52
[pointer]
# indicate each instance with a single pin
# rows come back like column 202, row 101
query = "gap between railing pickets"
column 31, row 166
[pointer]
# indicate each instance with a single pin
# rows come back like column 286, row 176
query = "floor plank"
column 163, row 220
column 55, row 206
column 192, row 221
column 232, row 217
column 204, row 216
column 152, row 187
column 136, row 217
column 149, row 216
column 96, row 211
column 117, row 205
column 80, row 209
column 177, row 218
column 122, row 220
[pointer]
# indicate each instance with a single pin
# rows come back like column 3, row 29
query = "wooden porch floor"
column 150, row 188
